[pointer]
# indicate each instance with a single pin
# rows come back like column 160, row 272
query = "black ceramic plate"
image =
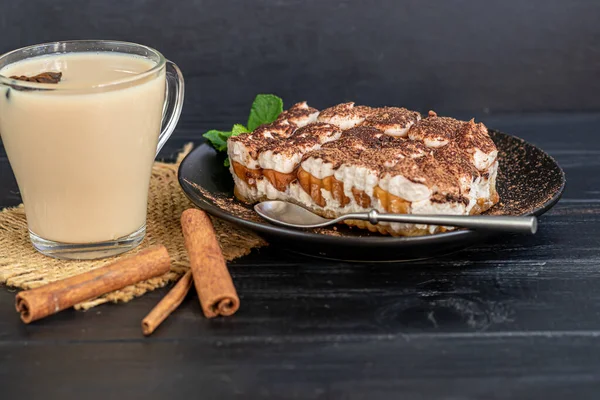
column 529, row 182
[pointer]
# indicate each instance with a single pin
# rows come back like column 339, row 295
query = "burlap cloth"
column 22, row 267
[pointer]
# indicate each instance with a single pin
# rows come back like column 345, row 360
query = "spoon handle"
column 527, row 224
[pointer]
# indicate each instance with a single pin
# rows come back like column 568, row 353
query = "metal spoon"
column 293, row 216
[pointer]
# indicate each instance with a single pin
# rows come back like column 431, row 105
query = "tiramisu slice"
column 358, row 158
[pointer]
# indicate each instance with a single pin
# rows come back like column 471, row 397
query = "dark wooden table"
column 515, row 318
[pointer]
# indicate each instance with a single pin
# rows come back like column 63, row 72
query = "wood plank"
column 556, row 366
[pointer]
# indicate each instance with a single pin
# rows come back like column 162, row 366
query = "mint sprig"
column 265, row 109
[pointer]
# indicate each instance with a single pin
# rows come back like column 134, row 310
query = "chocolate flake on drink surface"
column 44, row 77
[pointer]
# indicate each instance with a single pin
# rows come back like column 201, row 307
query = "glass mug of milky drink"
column 82, row 148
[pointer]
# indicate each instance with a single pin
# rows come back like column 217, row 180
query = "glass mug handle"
column 174, row 93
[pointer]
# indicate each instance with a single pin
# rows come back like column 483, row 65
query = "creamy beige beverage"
column 82, row 154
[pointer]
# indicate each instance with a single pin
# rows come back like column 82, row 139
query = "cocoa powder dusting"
column 229, row 204
column 344, row 110
column 390, row 117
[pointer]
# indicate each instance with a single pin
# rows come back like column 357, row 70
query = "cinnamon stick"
column 168, row 304
column 211, row 277
column 49, row 299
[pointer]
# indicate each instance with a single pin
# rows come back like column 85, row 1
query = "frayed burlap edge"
column 22, row 267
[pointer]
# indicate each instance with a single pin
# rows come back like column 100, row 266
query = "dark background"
column 463, row 58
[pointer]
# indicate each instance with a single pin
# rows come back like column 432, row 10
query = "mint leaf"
column 238, row 129
column 218, row 139
column 265, row 109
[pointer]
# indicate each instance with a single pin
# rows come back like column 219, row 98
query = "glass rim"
column 18, row 84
